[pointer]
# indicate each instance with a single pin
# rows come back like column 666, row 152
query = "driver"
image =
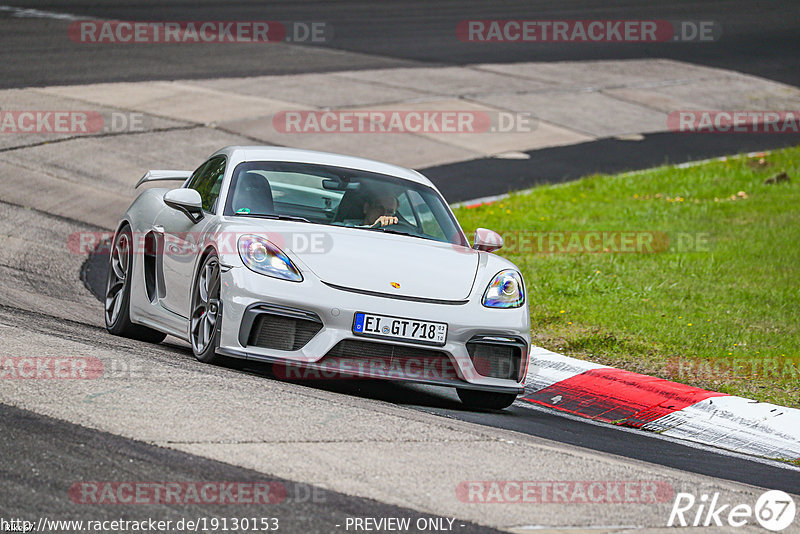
column 380, row 208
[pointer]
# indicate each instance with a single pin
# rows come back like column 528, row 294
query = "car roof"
column 240, row 154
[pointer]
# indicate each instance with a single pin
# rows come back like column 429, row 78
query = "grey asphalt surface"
column 760, row 39
column 166, row 398
column 59, row 455
column 600, row 437
column 477, row 178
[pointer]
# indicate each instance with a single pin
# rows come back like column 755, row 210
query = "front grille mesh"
column 282, row 333
column 392, row 361
column 495, row 360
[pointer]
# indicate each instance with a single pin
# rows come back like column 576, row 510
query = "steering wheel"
column 399, row 225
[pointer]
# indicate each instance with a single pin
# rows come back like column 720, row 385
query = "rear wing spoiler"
column 155, row 176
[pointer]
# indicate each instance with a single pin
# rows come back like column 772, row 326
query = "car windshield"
column 339, row 196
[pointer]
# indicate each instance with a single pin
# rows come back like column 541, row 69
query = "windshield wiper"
column 278, row 217
column 396, row 232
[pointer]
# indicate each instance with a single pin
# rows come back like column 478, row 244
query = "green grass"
column 712, row 315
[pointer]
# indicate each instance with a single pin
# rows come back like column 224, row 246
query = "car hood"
column 368, row 260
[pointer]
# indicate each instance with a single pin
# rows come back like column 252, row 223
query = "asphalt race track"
column 102, row 456
column 762, row 42
column 492, row 176
column 759, row 40
column 340, row 449
column 526, row 418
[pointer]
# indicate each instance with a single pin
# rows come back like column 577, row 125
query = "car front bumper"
column 247, row 295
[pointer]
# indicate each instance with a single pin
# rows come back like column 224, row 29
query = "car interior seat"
column 254, row 194
column 351, row 206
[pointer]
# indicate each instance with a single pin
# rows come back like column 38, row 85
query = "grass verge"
column 713, row 302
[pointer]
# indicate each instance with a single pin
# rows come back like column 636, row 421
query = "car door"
column 183, row 238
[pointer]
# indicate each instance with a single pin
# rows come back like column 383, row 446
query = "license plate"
column 385, row 326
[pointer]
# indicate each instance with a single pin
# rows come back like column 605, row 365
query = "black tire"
column 206, row 311
column 486, row 400
column 118, row 292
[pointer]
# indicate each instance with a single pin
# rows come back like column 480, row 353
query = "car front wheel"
column 206, row 311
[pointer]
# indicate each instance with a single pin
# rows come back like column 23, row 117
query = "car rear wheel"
column 203, row 329
column 118, row 292
column 488, row 400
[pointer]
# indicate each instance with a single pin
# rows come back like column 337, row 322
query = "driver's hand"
column 385, row 220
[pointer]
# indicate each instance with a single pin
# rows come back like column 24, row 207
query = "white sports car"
column 325, row 266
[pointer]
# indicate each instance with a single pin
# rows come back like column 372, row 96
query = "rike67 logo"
column 774, row 510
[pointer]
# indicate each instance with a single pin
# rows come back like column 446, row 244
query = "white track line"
column 26, row 13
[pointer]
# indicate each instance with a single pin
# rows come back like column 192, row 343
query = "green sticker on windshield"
column 243, row 211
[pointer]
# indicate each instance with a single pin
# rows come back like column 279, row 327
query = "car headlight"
column 263, row 257
column 505, row 291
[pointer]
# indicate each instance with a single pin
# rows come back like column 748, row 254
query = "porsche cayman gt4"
column 323, row 265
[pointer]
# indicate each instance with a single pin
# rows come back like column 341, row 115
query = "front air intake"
column 495, row 360
column 387, row 360
column 282, row 333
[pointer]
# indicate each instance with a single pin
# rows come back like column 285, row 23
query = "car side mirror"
column 186, row 200
column 487, row 240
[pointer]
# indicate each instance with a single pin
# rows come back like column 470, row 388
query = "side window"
column 207, row 180
column 430, row 225
column 404, row 209
column 195, row 175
